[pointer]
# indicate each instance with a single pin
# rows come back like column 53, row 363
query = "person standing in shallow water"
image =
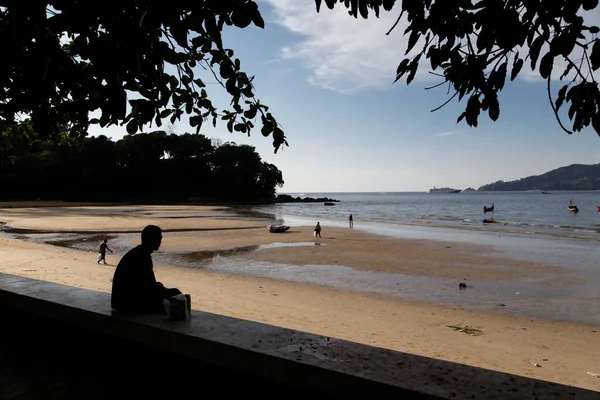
column 134, row 288
column 103, row 248
column 350, row 221
column 318, row 230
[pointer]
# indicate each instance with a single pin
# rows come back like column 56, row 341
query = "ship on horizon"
column 444, row 190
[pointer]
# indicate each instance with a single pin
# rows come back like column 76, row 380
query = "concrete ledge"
column 325, row 366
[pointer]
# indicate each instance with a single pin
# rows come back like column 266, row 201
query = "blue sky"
column 328, row 80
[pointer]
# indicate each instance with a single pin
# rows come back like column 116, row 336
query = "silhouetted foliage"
column 153, row 166
column 571, row 177
column 479, row 44
column 62, row 60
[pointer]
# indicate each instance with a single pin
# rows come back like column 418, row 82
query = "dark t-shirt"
column 103, row 247
column 134, row 286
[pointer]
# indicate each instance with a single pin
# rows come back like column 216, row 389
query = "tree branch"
column 554, row 108
column 446, row 102
column 395, row 23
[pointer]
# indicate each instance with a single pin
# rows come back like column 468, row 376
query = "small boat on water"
column 488, row 209
column 278, row 228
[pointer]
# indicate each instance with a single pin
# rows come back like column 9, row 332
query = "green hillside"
column 572, row 177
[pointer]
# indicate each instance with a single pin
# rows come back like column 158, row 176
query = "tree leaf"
column 596, row 123
column 413, row 71
column 266, row 129
column 241, row 19
column 402, row 69
column 498, row 76
column 493, row 108
column 589, row 4
column 546, row 65
column 534, row 50
column 560, row 98
column 412, row 40
column 362, row 8
column 595, row 55
column 567, row 70
column 231, row 87
column 132, row 127
column 250, row 113
column 165, row 113
column 318, row 4
column 473, row 110
column 517, row 65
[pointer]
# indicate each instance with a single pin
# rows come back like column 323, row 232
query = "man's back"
column 134, row 287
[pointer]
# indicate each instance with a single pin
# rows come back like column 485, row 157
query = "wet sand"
column 215, row 241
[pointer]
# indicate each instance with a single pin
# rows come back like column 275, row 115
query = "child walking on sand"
column 103, row 248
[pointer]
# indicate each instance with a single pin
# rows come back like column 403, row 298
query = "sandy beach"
column 552, row 350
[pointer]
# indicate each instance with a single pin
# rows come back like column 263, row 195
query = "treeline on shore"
column 153, row 166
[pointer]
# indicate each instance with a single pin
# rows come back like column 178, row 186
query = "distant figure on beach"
column 102, row 251
column 134, row 288
column 318, row 230
column 351, row 221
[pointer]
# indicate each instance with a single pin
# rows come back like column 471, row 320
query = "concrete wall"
column 72, row 333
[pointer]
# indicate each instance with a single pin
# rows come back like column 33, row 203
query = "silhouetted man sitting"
column 134, row 288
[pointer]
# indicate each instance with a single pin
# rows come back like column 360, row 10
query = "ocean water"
column 530, row 226
column 516, row 212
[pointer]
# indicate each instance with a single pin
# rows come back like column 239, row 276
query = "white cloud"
column 343, row 53
column 447, row 133
column 347, row 55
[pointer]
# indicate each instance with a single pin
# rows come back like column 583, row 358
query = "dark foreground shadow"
column 42, row 359
column 61, row 342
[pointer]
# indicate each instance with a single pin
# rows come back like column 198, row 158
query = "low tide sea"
column 518, row 212
column 529, row 226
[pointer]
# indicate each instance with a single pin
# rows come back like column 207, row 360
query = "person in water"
column 351, row 221
column 134, row 287
column 103, row 248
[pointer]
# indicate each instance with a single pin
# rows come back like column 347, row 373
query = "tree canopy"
column 479, row 44
column 140, row 62
column 153, row 166
column 62, row 60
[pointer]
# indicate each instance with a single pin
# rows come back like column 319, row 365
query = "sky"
column 327, row 78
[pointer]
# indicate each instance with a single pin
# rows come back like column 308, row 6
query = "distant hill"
column 572, row 177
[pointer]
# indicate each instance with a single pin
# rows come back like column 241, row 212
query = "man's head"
column 105, row 240
column 151, row 237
